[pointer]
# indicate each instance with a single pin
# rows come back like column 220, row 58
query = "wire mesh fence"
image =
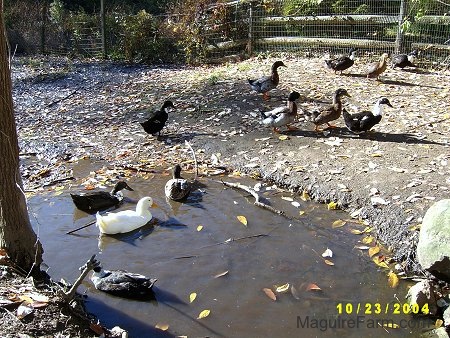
column 314, row 27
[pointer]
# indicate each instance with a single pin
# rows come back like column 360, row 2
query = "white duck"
column 282, row 116
column 127, row 220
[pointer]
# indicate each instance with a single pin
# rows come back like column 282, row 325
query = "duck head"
column 293, row 96
column 144, row 204
column 341, row 92
column 122, row 185
column 278, row 64
column 385, row 101
column 177, row 171
column 98, row 271
column 167, row 104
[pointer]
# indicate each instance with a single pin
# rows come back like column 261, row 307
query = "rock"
column 436, row 333
column 423, row 293
column 446, row 317
column 433, row 248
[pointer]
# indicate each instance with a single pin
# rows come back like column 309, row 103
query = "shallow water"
column 185, row 260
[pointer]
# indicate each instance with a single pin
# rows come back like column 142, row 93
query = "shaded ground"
column 71, row 110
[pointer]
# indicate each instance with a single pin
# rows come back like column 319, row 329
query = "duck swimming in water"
column 329, row 113
column 157, row 122
column 282, row 116
column 94, row 201
column 177, row 188
column 122, row 283
column 364, row 121
column 127, row 220
column 342, row 63
column 267, row 83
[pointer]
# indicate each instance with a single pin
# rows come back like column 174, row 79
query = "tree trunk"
column 17, row 237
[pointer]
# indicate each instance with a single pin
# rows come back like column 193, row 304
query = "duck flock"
column 126, row 284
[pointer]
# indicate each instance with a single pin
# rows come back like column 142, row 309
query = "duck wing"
column 340, row 64
column 262, row 84
column 121, row 222
column 177, row 189
column 96, row 201
column 328, row 114
column 368, row 121
column 273, row 117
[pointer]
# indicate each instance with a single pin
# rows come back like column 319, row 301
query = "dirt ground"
column 71, row 110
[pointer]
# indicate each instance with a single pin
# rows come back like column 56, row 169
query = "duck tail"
column 251, row 82
column 263, row 116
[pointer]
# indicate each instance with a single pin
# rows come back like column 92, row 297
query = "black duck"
column 157, row 122
column 364, row 121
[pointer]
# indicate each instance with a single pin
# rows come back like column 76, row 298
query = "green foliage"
column 301, row 7
column 56, row 11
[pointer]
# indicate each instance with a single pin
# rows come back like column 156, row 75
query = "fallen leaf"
column 338, row 223
column 368, row 239
column 204, row 314
column 296, row 204
column 374, row 250
column 301, row 212
column 282, row 288
column 332, row 205
column 23, row 311
column 221, row 274
column 392, row 279
column 439, row 322
column 356, row 232
column 242, row 219
column 287, row 198
column 269, row 293
column 313, row 287
column 328, row 262
column 283, row 137
column 362, row 247
column 380, row 262
column 192, row 297
column 327, row 253
column 305, row 196
column 162, row 327
column 199, row 228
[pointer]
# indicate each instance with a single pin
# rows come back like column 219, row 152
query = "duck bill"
column 154, row 205
column 129, row 188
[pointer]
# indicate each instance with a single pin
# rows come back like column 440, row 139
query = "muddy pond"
column 201, row 247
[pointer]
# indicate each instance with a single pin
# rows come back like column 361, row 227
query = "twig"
column 64, row 98
column 82, row 227
column 425, row 124
column 195, row 159
column 88, row 266
column 59, row 180
column 255, row 195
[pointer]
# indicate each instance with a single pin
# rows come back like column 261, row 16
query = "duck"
column 342, row 63
column 158, row 120
column 364, row 121
column 122, row 283
column 177, row 188
column 329, row 113
column 375, row 69
column 267, row 83
column 126, row 220
column 94, row 201
column 405, row 60
column 282, row 116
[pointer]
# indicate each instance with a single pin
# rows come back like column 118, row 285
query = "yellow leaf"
column 301, row 212
column 338, row 223
column 282, row 288
column 393, row 279
column 204, row 314
column 242, row 219
column 199, row 228
column 328, row 262
column 162, row 327
column 356, row 232
column 438, row 323
column 368, row 229
column 192, row 297
column 391, row 325
column 332, row 205
column 269, row 293
column 380, row 263
column 368, row 239
column 305, row 196
column 376, row 155
column 374, row 250
column 283, row 137
column 59, row 188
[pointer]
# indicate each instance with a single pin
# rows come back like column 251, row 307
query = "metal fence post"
column 250, row 30
column 102, row 20
column 401, row 17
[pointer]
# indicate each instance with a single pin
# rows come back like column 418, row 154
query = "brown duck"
column 375, row 69
column 329, row 113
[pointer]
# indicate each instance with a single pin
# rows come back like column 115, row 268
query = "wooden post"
column 102, row 19
column 250, row 30
column 401, row 17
